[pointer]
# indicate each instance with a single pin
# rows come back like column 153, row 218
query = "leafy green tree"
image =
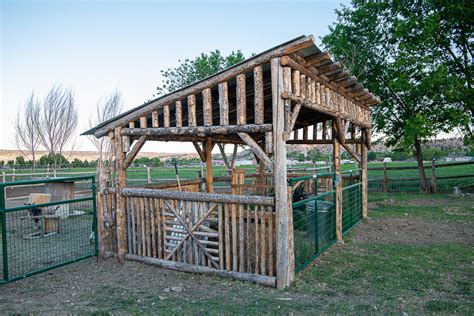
column 371, row 156
column 393, row 49
column 20, row 160
column 2, row 163
column 50, row 159
column 192, row 70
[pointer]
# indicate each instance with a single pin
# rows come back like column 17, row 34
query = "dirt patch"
column 413, row 202
column 88, row 286
column 414, row 231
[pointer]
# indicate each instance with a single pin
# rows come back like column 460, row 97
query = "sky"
column 95, row 47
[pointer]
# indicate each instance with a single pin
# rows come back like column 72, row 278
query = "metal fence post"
column 3, row 223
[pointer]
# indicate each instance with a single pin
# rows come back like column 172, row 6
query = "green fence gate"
column 45, row 224
column 314, row 216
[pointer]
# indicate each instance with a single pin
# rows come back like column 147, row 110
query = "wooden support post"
column 365, row 187
column 258, row 98
column 434, row 186
column 223, row 104
column 209, row 181
column 207, row 106
column 283, row 249
column 241, row 100
column 337, row 169
column 122, row 243
column 166, row 115
column 154, row 120
column 385, row 178
column 179, row 114
column 192, row 110
column 324, row 130
column 148, row 174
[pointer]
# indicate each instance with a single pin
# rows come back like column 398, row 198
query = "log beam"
column 256, row 149
column 203, row 131
column 133, row 153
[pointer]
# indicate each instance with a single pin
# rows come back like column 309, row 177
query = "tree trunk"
column 421, row 169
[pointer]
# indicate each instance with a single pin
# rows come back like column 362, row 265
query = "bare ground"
column 91, row 286
column 414, row 231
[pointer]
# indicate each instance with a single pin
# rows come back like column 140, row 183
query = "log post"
column 258, row 97
column 120, row 209
column 283, row 249
column 337, row 169
column 365, row 188
column 241, row 100
column 209, row 181
column 148, row 174
column 192, row 110
column 385, row 178
column 434, row 186
column 179, row 114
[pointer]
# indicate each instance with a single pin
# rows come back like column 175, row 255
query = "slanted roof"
column 302, row 49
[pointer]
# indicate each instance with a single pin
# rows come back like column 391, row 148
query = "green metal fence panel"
column 39, row 237
column 351, row 206
column 314, row 226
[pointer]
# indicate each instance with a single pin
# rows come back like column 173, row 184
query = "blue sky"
column 97, row 46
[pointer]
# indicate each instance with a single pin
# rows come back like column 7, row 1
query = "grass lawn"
column 414, row 256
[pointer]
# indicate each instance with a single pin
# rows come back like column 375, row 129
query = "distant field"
column 158, row 174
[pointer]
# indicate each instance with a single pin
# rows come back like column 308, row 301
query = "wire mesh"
column 314, row 225
column 351, row 206
column 45, row 234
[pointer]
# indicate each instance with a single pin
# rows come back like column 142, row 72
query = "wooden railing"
column 233, row 233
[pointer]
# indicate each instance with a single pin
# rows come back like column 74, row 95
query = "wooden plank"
column 258, row 95
column 143, row 122
column 154, row 119
column 247, row 240
column 179, row 113
column 220, row 228
column 209, row 180
column 227, row 210
column 223, row 104
column 241, row 239
column 271, row 244
column 263, row 248
column 192, row 110
column 166, row 115
column 207, row 106
column 280, row 176
column 256, row 238
column 241, row 100
column 235, row 259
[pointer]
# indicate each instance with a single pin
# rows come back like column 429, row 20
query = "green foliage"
column 49, row 159
column 156, row 162
column 2, row 162
column 20, row 160
column 371, row 156
column 412, row 55
column 190, row 71
column 10, row 163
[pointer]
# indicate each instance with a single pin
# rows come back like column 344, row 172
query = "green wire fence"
column 42, row 236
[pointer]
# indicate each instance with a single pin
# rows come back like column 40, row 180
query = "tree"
column 385, row 44
column 20, row 160
column 27, row 136
column 190, row 71
column 51, row 159
column 57, row 121
column 105, row 109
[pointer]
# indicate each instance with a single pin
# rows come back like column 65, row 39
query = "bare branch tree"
column 27, row 138
column 58, row 121
column 105, row 110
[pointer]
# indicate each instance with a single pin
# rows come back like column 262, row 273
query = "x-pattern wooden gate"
column 188, row 232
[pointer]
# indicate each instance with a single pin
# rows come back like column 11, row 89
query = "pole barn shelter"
column 263, row 102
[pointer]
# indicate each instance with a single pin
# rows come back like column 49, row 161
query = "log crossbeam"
column 133, row 153
column 201, row 131
column 257, row 150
